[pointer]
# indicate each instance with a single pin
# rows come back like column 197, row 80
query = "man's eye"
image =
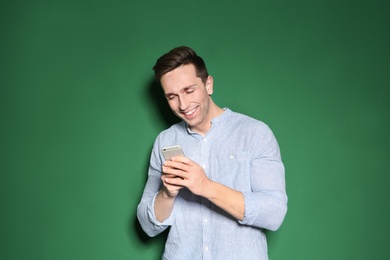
column 170, row 97
column 189, row 91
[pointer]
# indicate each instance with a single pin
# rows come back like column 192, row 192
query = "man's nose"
column 183, row 104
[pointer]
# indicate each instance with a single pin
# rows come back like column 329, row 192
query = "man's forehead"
column 180, row 78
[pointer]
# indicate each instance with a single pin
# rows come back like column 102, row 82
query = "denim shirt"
column 239, row 152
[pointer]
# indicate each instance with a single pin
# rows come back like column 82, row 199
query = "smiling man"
column 229, row 187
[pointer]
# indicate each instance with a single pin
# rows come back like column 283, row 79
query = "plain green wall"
column 78, row 118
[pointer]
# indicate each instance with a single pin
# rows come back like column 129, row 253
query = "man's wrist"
column 165, row 194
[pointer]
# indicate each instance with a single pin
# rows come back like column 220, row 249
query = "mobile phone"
column 171, row 151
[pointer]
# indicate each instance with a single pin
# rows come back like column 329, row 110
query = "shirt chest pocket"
column 232, row 169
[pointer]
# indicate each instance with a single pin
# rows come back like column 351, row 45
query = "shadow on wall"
column 157, row 100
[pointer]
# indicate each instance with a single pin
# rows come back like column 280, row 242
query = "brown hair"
column 177, row 57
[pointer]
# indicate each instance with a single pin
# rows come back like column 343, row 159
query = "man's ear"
column 209, row 85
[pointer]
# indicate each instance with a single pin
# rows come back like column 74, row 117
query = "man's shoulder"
column 245, row 120
column 178, row 127
column 173, row 130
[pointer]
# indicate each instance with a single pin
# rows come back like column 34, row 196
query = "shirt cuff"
column 249, row 207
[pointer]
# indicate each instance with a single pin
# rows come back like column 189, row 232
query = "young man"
column 229, row 187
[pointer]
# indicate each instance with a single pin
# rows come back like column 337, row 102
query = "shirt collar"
column 222, row 117
column 216, row 120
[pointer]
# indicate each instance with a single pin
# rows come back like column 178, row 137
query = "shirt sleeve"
column 266, row 203
column 145, row 210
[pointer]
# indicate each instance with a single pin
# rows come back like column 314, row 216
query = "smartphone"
column 171, row 151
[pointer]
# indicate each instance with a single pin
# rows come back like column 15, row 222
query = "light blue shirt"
column 239, row 152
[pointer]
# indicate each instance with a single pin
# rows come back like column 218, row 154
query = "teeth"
column 190, row 112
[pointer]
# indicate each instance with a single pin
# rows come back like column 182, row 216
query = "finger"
column 167, row 175
column 168, row 170
column 181, row 159
column 179, row 182
column 177, row 165
column 172, row 190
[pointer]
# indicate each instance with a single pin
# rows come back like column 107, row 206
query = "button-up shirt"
column 239, row 152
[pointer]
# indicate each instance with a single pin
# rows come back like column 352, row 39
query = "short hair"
column 177, row 57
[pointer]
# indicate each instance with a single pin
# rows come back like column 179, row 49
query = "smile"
column 189, row 113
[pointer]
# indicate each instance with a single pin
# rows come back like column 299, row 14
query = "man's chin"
column 190, row 123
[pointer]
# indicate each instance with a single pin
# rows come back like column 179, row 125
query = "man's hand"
column 169, row 189
column 182, row 172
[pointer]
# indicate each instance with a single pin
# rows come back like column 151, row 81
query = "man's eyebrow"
column 181, row 90
column 188, row 87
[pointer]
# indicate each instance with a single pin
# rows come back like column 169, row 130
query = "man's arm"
column 230, row 200
column 192, row 176
column 145, row 210
column 165, row 199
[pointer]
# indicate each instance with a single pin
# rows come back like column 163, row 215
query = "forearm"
column 163, row 205
column 228, row 199
column 147, row 219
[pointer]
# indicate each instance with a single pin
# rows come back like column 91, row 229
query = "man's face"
column 188, row 97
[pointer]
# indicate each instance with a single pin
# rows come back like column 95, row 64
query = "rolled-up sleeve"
column 145, row 209
column 266, row 203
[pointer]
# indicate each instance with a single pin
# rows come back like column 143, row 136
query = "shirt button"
column 205, row 220
column 204, row 166
column 206, row 248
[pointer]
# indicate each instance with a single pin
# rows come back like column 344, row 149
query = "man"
column 229, row 187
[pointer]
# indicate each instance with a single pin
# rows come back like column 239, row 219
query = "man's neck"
column 214, row 112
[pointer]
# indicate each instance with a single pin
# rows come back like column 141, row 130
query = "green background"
column 79, row 114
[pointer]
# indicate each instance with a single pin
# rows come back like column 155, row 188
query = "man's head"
column 187, row 87
column 178, row 57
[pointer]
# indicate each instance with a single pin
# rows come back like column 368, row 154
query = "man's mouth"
column 191, row 112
